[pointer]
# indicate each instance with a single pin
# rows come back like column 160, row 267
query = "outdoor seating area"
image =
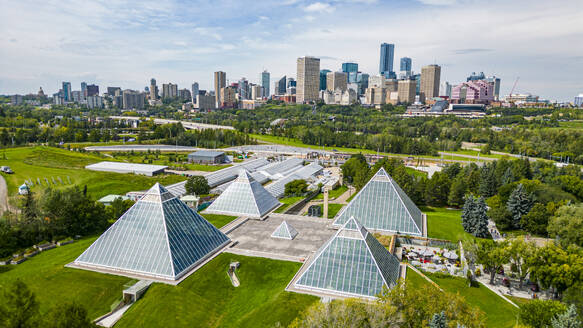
column 432, row 259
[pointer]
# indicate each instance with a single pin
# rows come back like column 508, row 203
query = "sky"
column 119, row 43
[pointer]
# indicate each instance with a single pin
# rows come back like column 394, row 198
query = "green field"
column 333, row 194
column 218, row 220
column 287, row 202
column 443, row 223
column 415, row 280
column 208, row 299
column 333, row 209
column 163, row 158
column 499, row 313
column 54, row 284
column 47, row 162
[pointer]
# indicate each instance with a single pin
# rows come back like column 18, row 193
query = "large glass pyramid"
column 158, row 237
column 382, row 205
column 244, row 197
column 352, row 263
column 284, row 231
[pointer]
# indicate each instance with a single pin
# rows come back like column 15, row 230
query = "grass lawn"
column 218, row 220
column 499, row 313
column 333, row 194
column 415, row 280
column 443, row 223
column 333, row 209
column 208, row 299
column 54, row 284
column 46, row 162
column 287, row 202
column 519, row 300
column 163, row 158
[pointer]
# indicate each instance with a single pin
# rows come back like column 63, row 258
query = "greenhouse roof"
column 159, row 237
column 244, row 197
column 382, row 205
column 284, row 231
column 352, row 263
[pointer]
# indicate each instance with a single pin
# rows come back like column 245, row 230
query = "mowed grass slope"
column 218, row 220
column 443, row 223
column 53, row 284
column 34, row 163
column 208, row 299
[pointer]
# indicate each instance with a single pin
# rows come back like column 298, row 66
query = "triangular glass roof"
column 382, row 205
column 159, row 236
column 284, row 231
column 244, row 197
column 352, row 263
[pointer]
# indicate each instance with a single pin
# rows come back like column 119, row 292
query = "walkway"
column 111, row 319
column 3, row 195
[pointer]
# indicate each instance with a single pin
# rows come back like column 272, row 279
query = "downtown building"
column 473, row 92
column 430, row 78
column 220, row 82
column 308, row 79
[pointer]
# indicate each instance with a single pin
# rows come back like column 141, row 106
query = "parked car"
column 6, row 169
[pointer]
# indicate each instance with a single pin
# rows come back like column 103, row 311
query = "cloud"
column 471, row 51
column 319, row 7
column 438, row 2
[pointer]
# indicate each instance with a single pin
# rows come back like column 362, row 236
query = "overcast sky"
column 116, row 43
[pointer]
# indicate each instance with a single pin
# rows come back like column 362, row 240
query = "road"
column 3, row 195
column 186, row 124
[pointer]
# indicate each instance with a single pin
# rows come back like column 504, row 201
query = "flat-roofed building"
column 308, row 79
column 406, row 91
column 207, row 157
column 118, row 167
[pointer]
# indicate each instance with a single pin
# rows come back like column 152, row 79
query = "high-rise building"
column 308, row 75
column 386, row 62
column 133, row 99
column 228, row 98
column 91, row 90
column 430, row 76
column 476, row 77
column 243, row 89
column 67, row 91
column 169, row 90
column 94, row 102
column 76, row 96
column 220, row 83
column 194, row 90
column 405, row 67
column 336, row 80
column 153, row 89
column 280, row 86
column 256, row 91
column 323, row 77
column 84, row 89
column 406, row 90
column 473, row 92
column 496, row 82
column 362, row 82
column 184, row 94
column 111, row 91
column 579, row 100
column 351, row 70
column 445, row 89
column 265, row 83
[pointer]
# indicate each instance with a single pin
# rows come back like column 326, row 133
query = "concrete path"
column 3, row 195
column 114, row 317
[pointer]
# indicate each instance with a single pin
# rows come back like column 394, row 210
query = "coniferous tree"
column 439, row 320
column 457, row 191
column 488, row 183
column 480, row 219
column 519, row 203
column 467, row 213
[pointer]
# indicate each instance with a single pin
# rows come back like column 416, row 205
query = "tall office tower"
column 91, row 90
column 220, row 82
column 265, row 83
column 184, row 94
column 336, row 80
column 430, row 76
column 67, row 91
column 169, row 90
column 405, row 67
column 387, row 57
column 308, row 75
column 111, row 91
column 406, row 91
column 84, row 89
column 256, row 91
column 243, row 89
column 496, row 82
column 362, row 81
column 153, row 89
column 280, row 86
column 323, row 77
column 445, row 89
column 194, row 91
column 133, row 99
column 228, row 97
column 351, row 70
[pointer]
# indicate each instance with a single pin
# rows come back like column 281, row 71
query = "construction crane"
column 514, row 86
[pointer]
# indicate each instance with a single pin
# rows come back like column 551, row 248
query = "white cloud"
column 319, row 7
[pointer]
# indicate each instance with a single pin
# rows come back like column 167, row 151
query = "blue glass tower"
column 405, row 65
column 387, row 58
column 323, row 73
column 351, row 70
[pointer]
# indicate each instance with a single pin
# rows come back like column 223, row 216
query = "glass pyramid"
column 159, row 237
column 244, row 197
column 284, row 231
column 352, row 263
column 382, row 205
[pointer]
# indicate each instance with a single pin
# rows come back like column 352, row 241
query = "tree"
column 197, row 185
column 537, row 220
column 567, row 319
column 558, row 268
column 439, row 320
column 501, row 216
column 474, row 218
column 540, row 313
column 567, row 225
column 574, row 297
column 20, row 307
column 457, row 192
column 356, row 163
column 295, row 187
column 118, row 207
column 488, row 182
column 492, row 255
column 437, row 189
column 519, row 203
column 519, row 252
column 71, row 315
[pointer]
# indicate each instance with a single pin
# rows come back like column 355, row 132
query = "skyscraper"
column 405, row 67
column 194, row 90
column 153, row 89
column 265, row 83
column 90, row 91
column 280, row 86
column 387, row 57
column 406, row 91
column 67, row 91
column 336, row 80
column 308, row 75
column 445, row 89
column 430, row 76
column 351, row 70
column 169, row 90
column 220, row 82
column 323, row 74
column 84, row 89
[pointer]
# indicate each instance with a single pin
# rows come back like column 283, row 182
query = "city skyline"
column 182, row 42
